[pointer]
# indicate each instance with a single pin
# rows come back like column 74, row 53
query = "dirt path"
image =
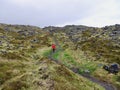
column 106, row 85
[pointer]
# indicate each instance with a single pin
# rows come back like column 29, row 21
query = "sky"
column 96, row 13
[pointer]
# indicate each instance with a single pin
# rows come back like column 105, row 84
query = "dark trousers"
column 53, row 50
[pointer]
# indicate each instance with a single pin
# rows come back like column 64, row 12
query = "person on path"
column 53, row 47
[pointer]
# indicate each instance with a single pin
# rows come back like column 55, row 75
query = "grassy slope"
column 43, row 74
column 23, row 66
column 101, row 43
column 85, row 59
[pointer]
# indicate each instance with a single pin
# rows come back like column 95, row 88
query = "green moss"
column 16, row 85
column 67, row 80
column 11, row 56
column 9, row 70
column 47, row 53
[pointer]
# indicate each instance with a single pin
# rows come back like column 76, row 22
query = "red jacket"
column 53, row 46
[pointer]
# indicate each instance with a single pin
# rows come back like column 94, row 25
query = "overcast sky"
column 60, row 12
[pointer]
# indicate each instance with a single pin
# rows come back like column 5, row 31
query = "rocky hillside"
column 24, row 62
column 19, row 38
column 101, row 43
column 87, row 49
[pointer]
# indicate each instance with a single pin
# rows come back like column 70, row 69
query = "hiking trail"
column 106, row 85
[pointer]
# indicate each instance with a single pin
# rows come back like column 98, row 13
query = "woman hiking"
column 53, row 47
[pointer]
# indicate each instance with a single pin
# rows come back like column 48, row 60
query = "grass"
column 89, row 54
column 63, row 77
column 46, row 53
column 16, row 85
column 10, row 69
column 56, row 55
column 101, row 48
column 68, row 59
column 20, row 67
column 59, row 77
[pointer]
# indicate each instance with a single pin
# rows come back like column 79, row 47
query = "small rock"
column 86, row 71
column 45, row 76
column 40, row 83
column 76, row 70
